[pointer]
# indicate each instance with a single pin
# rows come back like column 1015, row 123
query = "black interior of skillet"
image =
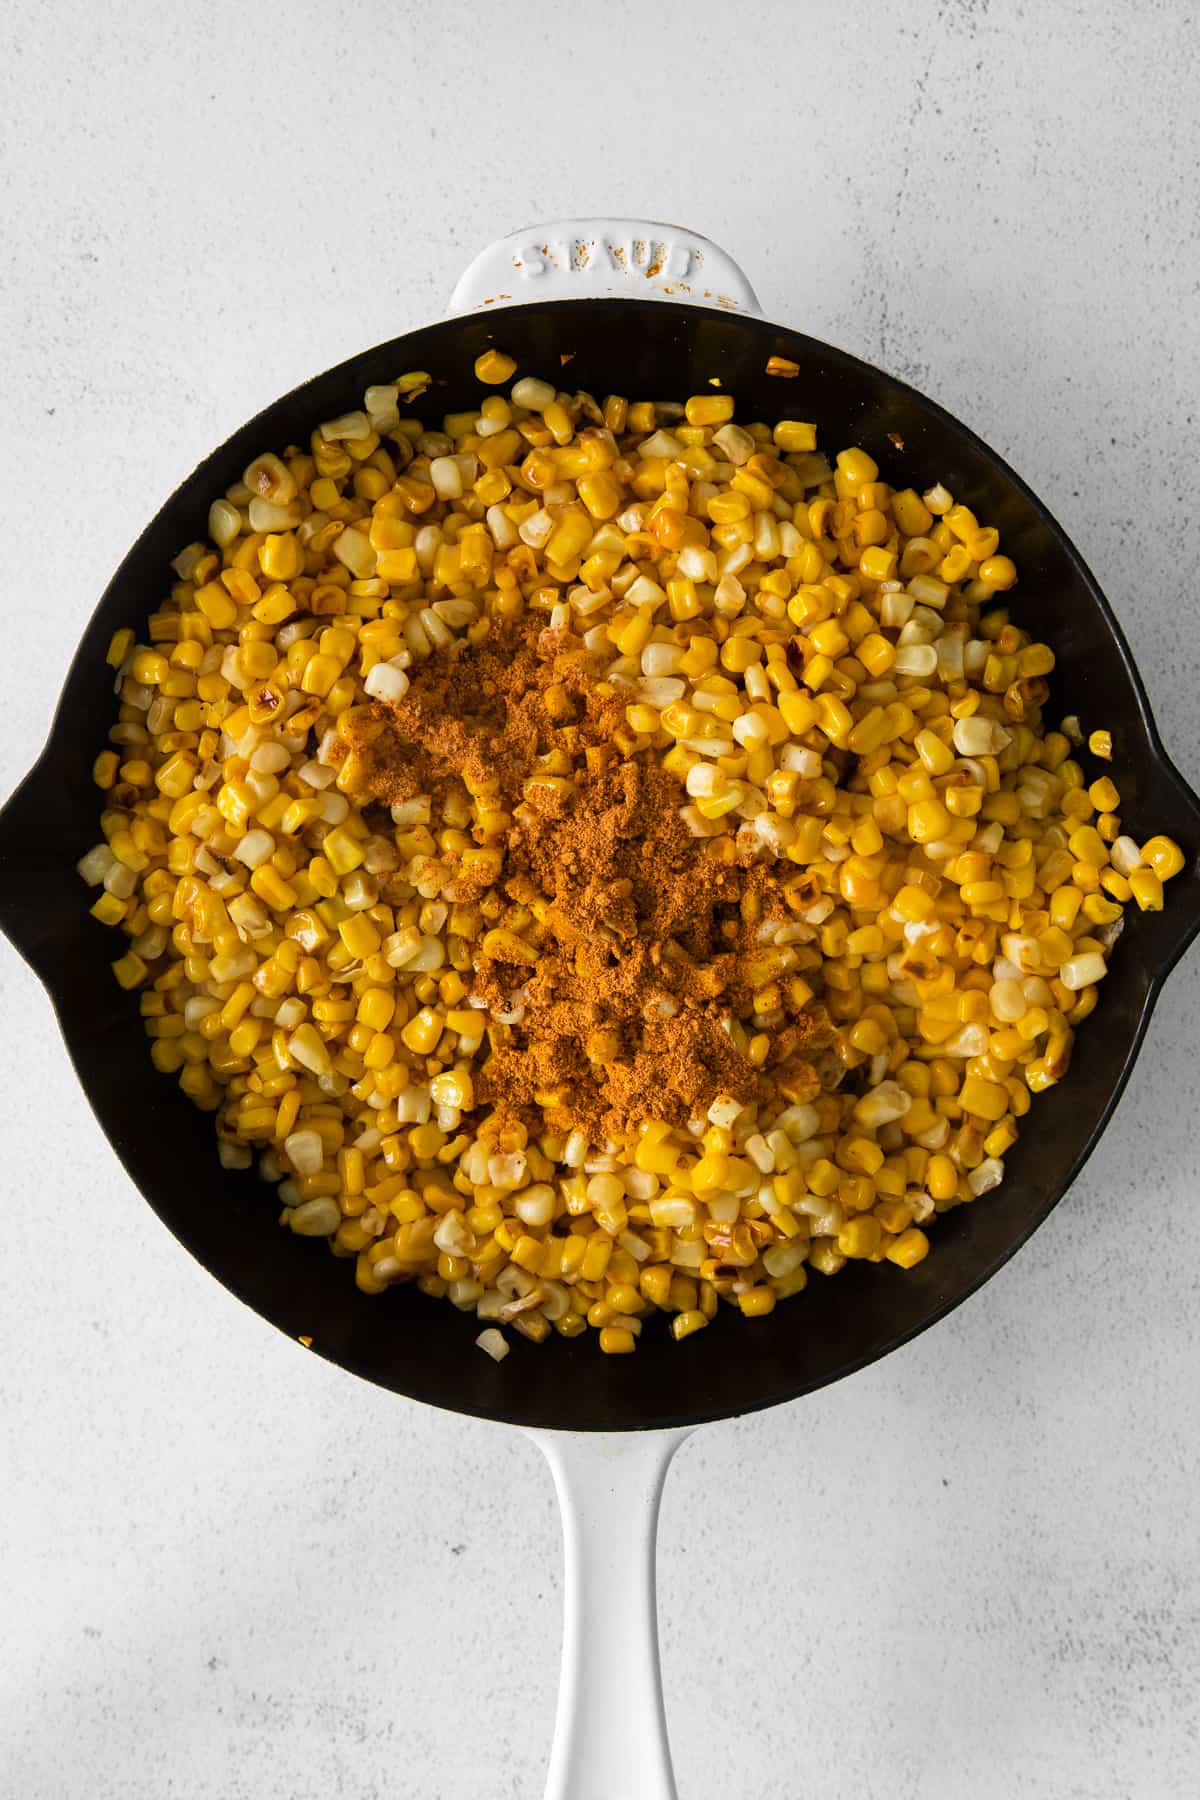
column 423, row 1348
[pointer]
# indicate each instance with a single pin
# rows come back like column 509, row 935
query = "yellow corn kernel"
column 342, row 851
column 955, row 564
column 910, row 1248
column 856, row 467
column 177, row 774
column 399, row 566
column 833, row 716
column 1064, row 907
column 878, row 564
column 120, row 644
column 709, row 409
column 961, row 522
column 757, row 1302
column 104, row 769
column 928, row 821
column 376, row 1008
column 655, row 1284
column 130, row 969
column 1099, row 911
column 494, row 368
column 1147, row 889
column 860, row 1155
column 425, row 1141
column 911, row 513
column 596, row 1257
column 109, row 910
column 998, row 573
column 913, row 904
column 799, row 712
column 1087, row 846
column 935, row 753
column 244, row 1038
column 795, row 436
column 270, row 886
column 359, row 935
column 1001, row 1138
column 623, row 1297
column 860, row 1236
column 380, row 1051
column 280, row 558
column 423, row 1031
column 655, row 1153
column 894, row 1215
column 876, row 654
column 941, row 1178
column 986, row 1099
column 1163, row 855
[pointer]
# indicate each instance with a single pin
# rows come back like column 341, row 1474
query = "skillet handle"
column 610, row 1733
column 575, row 259
column 32, row 859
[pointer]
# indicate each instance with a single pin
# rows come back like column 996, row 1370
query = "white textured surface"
column 229, row 1571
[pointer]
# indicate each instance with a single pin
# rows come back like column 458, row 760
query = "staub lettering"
column 652, row 258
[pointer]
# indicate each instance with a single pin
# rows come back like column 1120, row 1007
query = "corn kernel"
column 910, row 1248
column 494, row 368
column 1163, row 855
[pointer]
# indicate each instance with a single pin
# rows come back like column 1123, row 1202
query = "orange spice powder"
column 645, row 935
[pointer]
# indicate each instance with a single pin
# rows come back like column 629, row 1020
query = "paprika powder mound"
column 639, row 944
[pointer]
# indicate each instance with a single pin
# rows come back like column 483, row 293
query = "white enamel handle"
column 630, row 258
column 610, row 1733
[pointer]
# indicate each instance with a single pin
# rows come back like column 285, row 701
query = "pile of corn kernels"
column 821, row 660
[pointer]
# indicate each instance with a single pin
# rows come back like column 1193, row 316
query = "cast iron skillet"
column 423, row 1348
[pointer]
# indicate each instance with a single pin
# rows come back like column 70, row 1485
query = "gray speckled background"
column 229, row 1572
